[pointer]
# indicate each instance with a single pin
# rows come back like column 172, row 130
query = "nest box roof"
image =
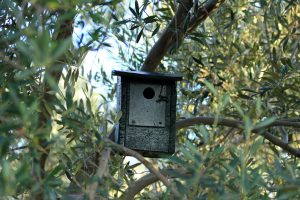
column 147, row 75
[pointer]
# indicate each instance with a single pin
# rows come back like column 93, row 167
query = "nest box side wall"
column 122, row 86
column 173, row 100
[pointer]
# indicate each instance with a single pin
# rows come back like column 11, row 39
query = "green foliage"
column 44, row 112
column 236, row 65
column 242, row 63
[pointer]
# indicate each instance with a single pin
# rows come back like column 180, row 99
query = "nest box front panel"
column 146, row 105
column 148, row 117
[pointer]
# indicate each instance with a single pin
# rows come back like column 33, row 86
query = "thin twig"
column 101, row 170
column 19, row 148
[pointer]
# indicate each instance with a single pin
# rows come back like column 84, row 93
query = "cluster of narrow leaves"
column 229, row 171
column 51, row 122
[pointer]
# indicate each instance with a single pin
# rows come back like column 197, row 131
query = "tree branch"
column 207, row 121
column 176, row 31
column 55, row 75
column 202, row 14
column 229, row 122
column 65, row 31
column 135, row 187
column 172, row 33
column 238, row 124
column 101, row 170
column 139, row 157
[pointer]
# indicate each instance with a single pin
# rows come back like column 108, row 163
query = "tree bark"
column 229, row 122
column 171, row 36
column 176, row 31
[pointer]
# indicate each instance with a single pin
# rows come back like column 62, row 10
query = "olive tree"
column 238, row 104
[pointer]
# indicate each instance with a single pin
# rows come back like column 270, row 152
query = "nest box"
column 148, row 105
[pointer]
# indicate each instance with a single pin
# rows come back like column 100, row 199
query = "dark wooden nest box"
column 148, row 105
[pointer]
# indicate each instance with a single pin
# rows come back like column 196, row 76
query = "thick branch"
column 170, row 36
column 44, row 117
column 207, row 121
column 65, row 31
column 202, row 14
column 238, row 124
column 135, row 187
column 229, row 122
column 176, row 31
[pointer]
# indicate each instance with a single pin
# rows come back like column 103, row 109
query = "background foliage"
column 241, row 63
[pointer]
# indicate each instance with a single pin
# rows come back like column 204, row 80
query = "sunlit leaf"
column 139, row 35
column 155, row 31
column 256, row 145
column 133, row 12
column 264, row 123
column 137, row 8
column 150, row 19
